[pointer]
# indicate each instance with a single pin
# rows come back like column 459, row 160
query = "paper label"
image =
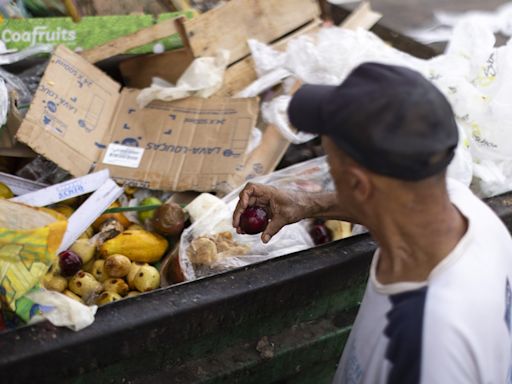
column 123, row 156
column 65, row 190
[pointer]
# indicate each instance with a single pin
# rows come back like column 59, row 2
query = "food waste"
column 116, row 258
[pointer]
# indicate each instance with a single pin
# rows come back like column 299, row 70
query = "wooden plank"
column 241, row 74
column 229, row 26
column 125, row 43
column 265, row 157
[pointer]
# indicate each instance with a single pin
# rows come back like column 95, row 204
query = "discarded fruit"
column 147, row 278
column 84, row 285
column 136, row 245
column 134, row 268
column 84, row 249
column 99, row 272
column 89, row 232
column 107, row 297
column 71, row 295
column 69, row 263
column 118, row 286
column 117, row 265
column 135, row 227
column 54, row 282
column 203, row 251
column 5, row 191
column 169, row 219
column 65, row 210
column 147, row 215
column 320, row 234
column 339, row 229
column 253, row 220
column 122, row 219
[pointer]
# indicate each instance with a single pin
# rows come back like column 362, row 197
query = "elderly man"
column 437, row 307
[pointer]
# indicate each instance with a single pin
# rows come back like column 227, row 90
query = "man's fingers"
column 243, row 203
column 273, row 227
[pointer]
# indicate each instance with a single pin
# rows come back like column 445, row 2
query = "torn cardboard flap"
column 191, row 144
column 70, row 112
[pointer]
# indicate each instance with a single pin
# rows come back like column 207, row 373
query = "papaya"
column 137, row 245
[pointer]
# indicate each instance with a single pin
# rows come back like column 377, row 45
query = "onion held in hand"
column 253, row 220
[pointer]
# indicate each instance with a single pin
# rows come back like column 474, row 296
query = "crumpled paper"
column 202, row 78
column 61, row 310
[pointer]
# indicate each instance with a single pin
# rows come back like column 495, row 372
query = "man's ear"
column 360, row 184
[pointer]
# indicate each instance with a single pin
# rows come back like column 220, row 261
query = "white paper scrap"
column 66, row 190
column 89, row 211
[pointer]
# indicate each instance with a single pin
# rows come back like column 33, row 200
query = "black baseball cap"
column 389, row 119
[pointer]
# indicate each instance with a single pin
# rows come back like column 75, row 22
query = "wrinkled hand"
column 283, row 207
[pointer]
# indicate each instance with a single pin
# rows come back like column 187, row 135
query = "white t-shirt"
column 454, row 328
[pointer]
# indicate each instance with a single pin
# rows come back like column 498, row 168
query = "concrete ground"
column 404, row 14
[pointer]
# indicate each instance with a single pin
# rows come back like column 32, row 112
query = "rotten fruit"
column 169, row 219
column 69, row 263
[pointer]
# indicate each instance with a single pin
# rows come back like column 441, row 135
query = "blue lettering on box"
column 70, row 190
column 52, row 106
column 183, row 149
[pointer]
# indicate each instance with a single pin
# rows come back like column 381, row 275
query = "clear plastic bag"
column 216, row 225
column 43, row 171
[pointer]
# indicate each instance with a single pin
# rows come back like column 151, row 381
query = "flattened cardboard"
column 191, row 144
column 70, row 112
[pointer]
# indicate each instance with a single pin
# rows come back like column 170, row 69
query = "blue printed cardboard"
column 81, row 120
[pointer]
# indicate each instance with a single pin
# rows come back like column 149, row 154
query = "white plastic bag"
column 202, row 78
column 275, row 112
column 475, row 76
column 310, row 176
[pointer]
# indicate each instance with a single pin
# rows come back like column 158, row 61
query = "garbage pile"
column 120, row 168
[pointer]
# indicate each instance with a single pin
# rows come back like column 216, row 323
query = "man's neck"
column 415, row 238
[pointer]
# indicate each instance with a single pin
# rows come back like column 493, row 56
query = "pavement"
column 406, row 14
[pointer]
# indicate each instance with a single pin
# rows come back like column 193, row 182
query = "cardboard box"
column 9, row 146
column 138, row 72
column 80, row 120
column 90, row 32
